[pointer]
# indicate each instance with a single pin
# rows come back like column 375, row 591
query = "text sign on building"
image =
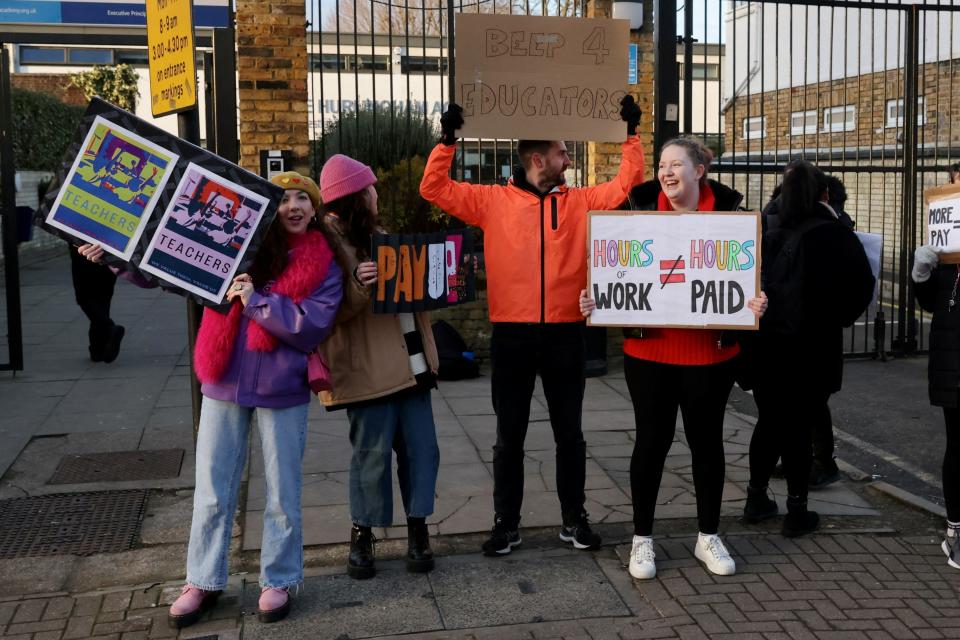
column 545, row 78
column 943, row 221
column 673, row 269
column 173, row 68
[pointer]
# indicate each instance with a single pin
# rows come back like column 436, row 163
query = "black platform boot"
column 419, row 553
column 758, row 507
column 360, row 564
column 799, row 520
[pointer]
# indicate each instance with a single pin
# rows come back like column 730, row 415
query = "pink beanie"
column 342, row 175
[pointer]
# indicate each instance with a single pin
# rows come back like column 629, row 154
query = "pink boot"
column 274, row 604
column 190, row 606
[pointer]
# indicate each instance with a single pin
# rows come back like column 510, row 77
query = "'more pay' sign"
column 674, row 269
column 541, row 78
column 943, row 221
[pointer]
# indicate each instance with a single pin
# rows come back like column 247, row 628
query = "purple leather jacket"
column 276, row 379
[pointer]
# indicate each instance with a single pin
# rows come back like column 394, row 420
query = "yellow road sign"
column 173, row 67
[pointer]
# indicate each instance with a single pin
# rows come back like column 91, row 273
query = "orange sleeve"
column 610, row 195
column 460, row 199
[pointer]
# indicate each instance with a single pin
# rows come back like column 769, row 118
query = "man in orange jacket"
column 535, row 246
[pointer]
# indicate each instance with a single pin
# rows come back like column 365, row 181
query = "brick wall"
column 868, row 93
column 272, row 78
column 54, row 84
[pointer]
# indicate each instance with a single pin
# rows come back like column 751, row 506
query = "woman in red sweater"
column 687, row 369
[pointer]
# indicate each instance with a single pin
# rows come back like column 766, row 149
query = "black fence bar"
column 8, row 223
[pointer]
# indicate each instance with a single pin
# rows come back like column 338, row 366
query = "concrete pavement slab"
column 334, row 606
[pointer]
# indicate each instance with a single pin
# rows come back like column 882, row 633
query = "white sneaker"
column 642, row 558
column 711, row 552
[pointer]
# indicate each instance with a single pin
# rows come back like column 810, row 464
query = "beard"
column 548, row 182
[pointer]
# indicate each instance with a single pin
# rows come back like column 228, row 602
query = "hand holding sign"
column 943, row 221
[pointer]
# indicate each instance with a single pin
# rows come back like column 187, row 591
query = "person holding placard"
column 383, row 366
column 818, row 278
column 253, row 360
column 936, row 286
column 535, row 247
column 667, row 369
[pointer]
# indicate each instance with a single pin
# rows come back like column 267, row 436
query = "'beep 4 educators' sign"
column 943, row 221
column 541, row 78
column 674, row 269
column 423, row 271
column 172, row 58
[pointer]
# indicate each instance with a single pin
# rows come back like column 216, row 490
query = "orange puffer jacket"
column 535, row 246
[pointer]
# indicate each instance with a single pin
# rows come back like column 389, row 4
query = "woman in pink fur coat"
column 253, row 360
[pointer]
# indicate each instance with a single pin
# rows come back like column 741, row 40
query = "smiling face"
column 679, row 178
column 295, row 212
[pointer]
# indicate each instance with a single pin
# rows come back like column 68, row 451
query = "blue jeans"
column 404, row 425
column 221, row 453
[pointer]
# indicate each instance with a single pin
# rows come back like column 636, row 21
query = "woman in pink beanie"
column 383, row 367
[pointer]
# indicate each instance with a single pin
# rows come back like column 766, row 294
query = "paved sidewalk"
column 875, row 570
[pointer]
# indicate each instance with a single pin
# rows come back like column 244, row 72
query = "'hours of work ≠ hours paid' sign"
column 173, row 69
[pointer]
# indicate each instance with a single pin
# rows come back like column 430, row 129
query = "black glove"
column 630, row 113
column 450, row 121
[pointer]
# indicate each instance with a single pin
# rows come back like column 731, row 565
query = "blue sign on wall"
column 215, row 13
column 632, row 65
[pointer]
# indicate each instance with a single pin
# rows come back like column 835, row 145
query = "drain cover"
column 117, row 466
column 71, row 523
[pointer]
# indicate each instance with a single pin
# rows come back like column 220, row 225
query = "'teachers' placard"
column 674, row 269
column 943, row 221
column 541, row 78
column 423, row 271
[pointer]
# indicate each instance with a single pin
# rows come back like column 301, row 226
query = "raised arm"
column 610, row 195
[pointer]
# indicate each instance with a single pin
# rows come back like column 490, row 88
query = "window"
column 90, row 56
column 840, row 119
column 895, row 112
column 701, row 71
column 132, row 56
column 754, row 127
column 803, row 122
column 328, row 62
column 370, row 63
column 421, row 64
column 42, row 55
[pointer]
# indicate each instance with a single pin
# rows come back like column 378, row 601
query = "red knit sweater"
column 681, row 346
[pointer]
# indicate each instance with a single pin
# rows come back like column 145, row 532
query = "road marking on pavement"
column 893, row 459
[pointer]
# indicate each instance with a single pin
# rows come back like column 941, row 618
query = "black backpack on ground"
column 783, row 279
column 452, row 350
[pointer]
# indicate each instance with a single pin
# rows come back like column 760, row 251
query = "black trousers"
column 823, row 435
column 788, row 412
column 93, row 286
column 519, row 352
column 700, row 393
column 951, row 464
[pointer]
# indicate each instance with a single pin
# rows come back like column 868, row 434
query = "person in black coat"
column 936, row 286
column 799, row 355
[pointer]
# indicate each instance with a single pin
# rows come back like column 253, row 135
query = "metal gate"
column 865, row 90
column 380, row 77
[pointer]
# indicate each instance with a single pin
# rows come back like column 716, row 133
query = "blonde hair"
column 698, row 152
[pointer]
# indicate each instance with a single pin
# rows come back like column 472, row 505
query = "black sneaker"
column 112, row 348
column 580, row 534
column 822, row 475
column 951, row 547
column 502, row 541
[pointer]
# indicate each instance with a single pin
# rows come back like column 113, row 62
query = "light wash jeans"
column 377, row 429
column 221, row 453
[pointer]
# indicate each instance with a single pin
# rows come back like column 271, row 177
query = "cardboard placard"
column 423, row 271
column 658, row 269
column 943, row 221
column 121, row 171
column 541, row 78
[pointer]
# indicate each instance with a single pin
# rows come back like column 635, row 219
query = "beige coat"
column 366, row 352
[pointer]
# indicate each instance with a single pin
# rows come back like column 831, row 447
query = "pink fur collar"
column 310, row 258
